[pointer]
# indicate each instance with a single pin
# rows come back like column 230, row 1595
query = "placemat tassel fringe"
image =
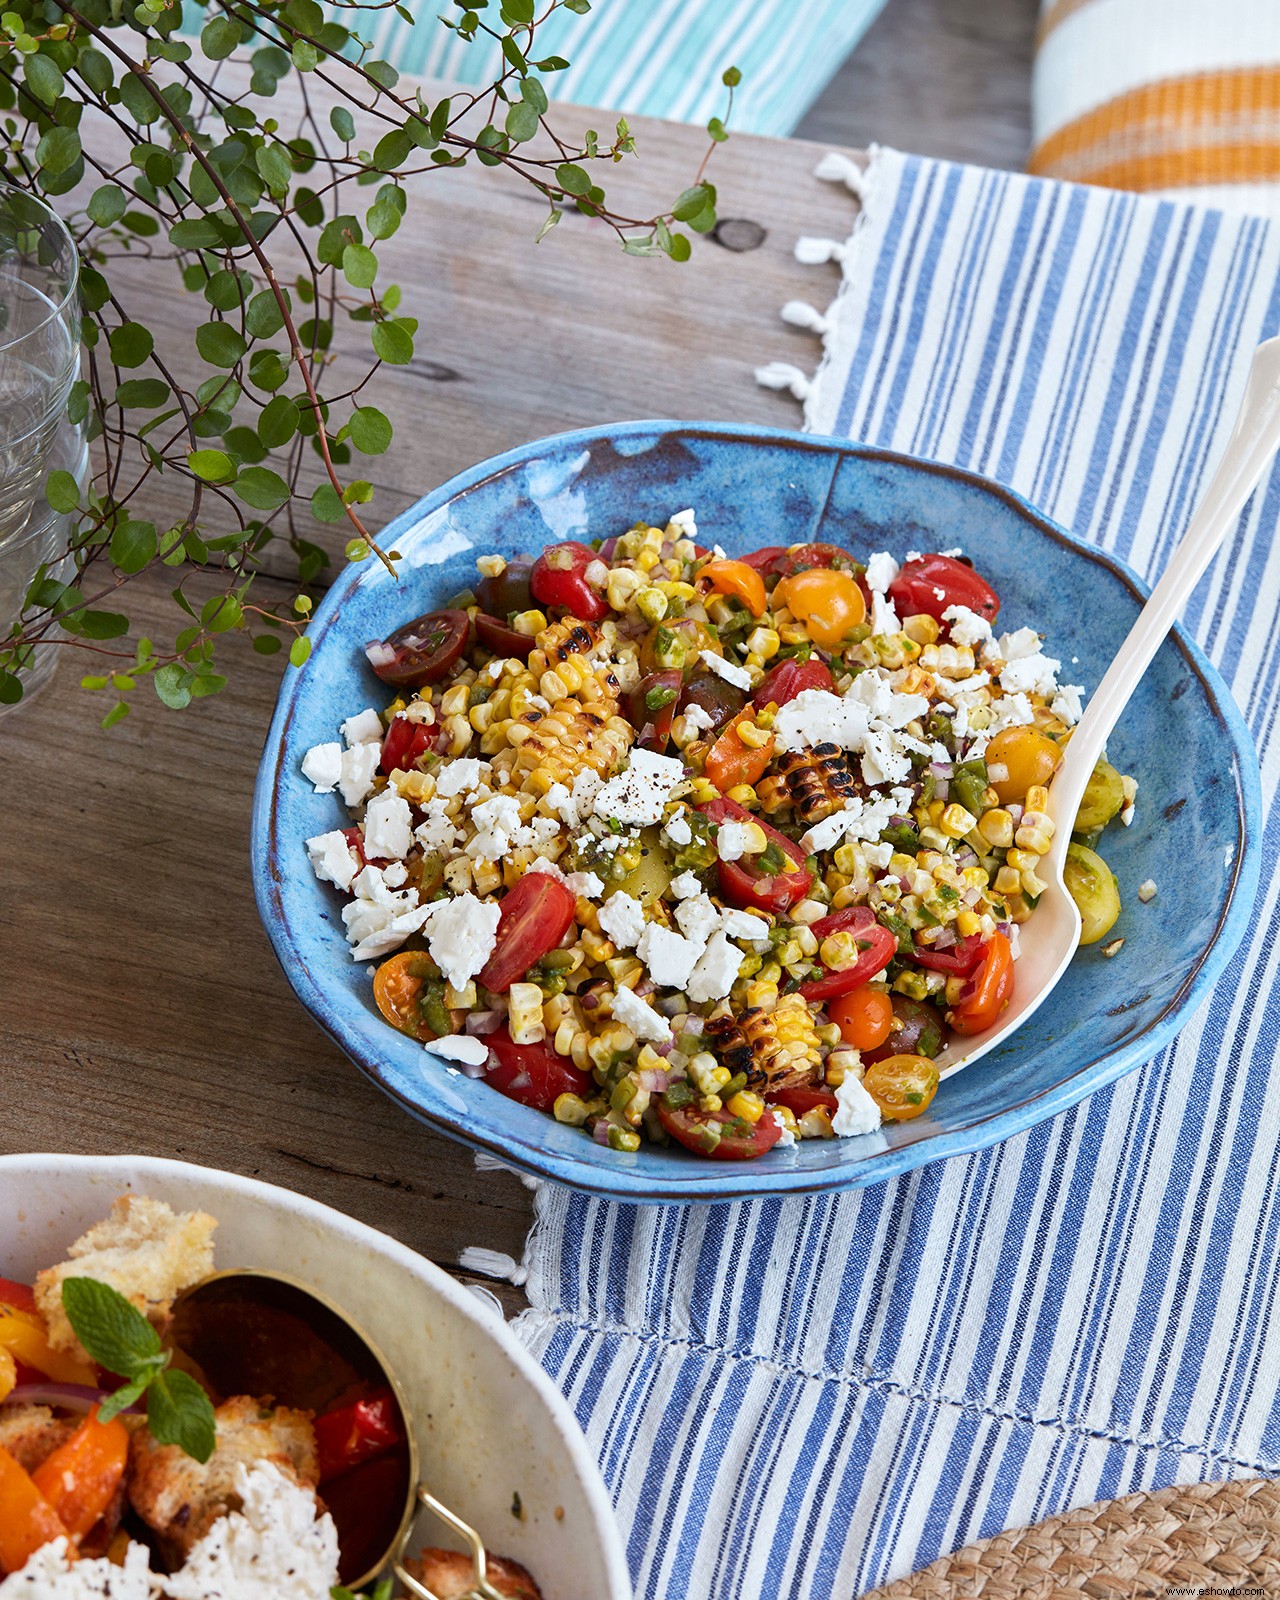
column 492, row 1264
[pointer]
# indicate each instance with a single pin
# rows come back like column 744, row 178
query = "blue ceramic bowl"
column 1197, row 830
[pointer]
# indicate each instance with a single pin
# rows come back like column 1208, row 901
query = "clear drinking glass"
column 39, row 361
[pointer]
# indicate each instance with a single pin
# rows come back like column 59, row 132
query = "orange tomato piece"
column 80, row 1478
column 731, row 762
column 27, row 1520
column 395, row 990
column 1018, row 758
column 738, row 579
column 902, row 1086
column 988, row 992
column 828, row 603
column 864, row 1016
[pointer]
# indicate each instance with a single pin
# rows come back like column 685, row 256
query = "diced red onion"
column 670, row 1005
column 593, row 996
column 1015, row 811
column 946, row 938
column 971, row 896
column 483, row 1022
column 77, row 1397
column 607, row 549
column 474, row 1069
column 380, row 653
column 665, row 1049
column 654, row 1079
column 942, row 790
column 600, row 1133
column 966, row 856
column 942, row 769
column 645, row 987
column 905, row 885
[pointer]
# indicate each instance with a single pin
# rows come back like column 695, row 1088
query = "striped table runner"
column 806, row 1398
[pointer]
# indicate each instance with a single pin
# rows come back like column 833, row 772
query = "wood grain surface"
column 141, row 1009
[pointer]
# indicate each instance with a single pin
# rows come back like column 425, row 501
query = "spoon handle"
column 1254, row 440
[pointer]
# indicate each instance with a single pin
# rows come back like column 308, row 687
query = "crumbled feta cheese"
column 51, row 1574
column 971, row 684
column 786, row 1139
column 884, row 618
column 718, row 551
column 732, row 839
column 1031, row 674
column 967, row 627
column 496, row 820
column 1018, row 645
column 730, row 671
column 716, row 970
column 536, row 834
column 1067, row 703
column 742, row 925
column 377, row 919
column 461, row 934
column 279, row 1543
column 877, row 855
column 1147, row 890
column 638, row 1015
column 686, row 885
column 622, row 919
column 816, row 716
column 394, row 874
column 685, row 522
column 860, row 819
column 322, row 766
column 698, row 918
column 461, row 775
column 669, row 956
column 639, row 793
column 678, row 830
column 462, row 1047
column 954, row 554
column 882, row 569
column 359, row 765
column 436, row 832
column 388, row 827
column 884, row 757
column 698, row 717
column 364, row 728
column 332, row 858
column 585, row 884
column 856, row 1112
column 548, row 869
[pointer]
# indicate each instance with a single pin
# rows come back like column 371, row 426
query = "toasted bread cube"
column 32, row 1433
column 181, row 1498
column 144, row 1249
column 450, row 1575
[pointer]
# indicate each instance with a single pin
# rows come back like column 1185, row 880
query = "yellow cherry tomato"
column 738, row 579
column 828, row 603
column 902, row 1086
column 1018, row 759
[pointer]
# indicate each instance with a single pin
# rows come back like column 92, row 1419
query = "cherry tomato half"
column 829, row 604
column 918, row 1030
column 559, row 578
column 731, row 762
column 765, row 559
column 778, row 561
column 494, row 635
column 536, row 914
column 746, row 882
column 651, row 708
column 957, row 962
column 790, row 678
column 864, row 1016
column 422, row 651
column 929, row 584
column 739, row 579
column 405, row 741
column 879, row 949
column 397, row 985
column 355, row 842
column 988, row 992
column 801, row 1100
column 902, row 1086
column 534, row 1074
column 719, row 1134
column 720, row 700
column 509, row 593
column 16, row 1296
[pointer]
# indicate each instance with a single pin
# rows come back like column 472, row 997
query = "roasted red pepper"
column 356, row 1433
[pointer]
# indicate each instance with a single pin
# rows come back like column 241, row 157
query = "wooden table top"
column 141, row 1009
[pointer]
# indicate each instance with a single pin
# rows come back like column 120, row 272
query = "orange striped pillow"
column 1168, row 96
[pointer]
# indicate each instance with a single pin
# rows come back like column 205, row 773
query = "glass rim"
column 7, row 187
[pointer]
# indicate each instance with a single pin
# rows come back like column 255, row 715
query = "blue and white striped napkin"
column 806, row 1398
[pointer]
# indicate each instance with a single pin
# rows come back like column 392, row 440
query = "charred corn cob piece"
column 773, row 793
column 728, row 1044
column 818, row 781
column 564, row 661
column 785, row 1050
column 554, row 746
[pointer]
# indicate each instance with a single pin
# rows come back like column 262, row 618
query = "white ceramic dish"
column 489, row 1423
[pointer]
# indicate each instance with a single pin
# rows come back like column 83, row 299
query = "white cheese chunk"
column 332, row 859
column 322, row 767
column 856, row 1112
column 388, row 827
column 394, row 874
column 585, row 884
column 638, row 1015
column 967, row 627
column 884, row 618
column 1031, row 674
column 461, row 934
column 732, row 839
column 377, row 919
column 730, row 671
column 436, row 832
column 678, row 830
column 622, row 919
column 496, row 820
column 460, row 1047
column 639, row 793
column 669, row 956
column 882, row 569
column 686, row 885
column 742, row 925
column 698, row 718
column 461, row 775
column 1016, row 646
column 51, row 1574
column 786, row 1139
column 359, row 765
column 716, row 970
column 1067, row 702
column 364, row 728
column 698, row 918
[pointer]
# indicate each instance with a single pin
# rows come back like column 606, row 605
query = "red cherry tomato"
column 764, row 560
column 355, row 839
column 509, row 592
column 536, row 914
column 790, row 678
column 744, row 882
column 777, row 561
column 366, row 1505
column 421, row 651
column 356, row 1433
column 501, row 640
column 801, row 1100
column 864, row 1016
column 405, row 741
column 879, row 949
column 651, row 708
column 957, row 962
column 719, row 1134
column 929, row 584
column 559, row 578
column 988, row 992
column 534, row 1074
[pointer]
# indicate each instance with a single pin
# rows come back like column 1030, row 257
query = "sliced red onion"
column 483, row 1022
column 665, row 1048
column 1015, row 811
column 68, row 1396
column 942, row 790
column 607, row 549
column 645, row 988
column 966, row 856
column 905, row 885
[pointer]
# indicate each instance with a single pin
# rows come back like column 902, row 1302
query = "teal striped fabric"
column 657, row 58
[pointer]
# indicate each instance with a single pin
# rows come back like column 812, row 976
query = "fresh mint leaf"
column 180, row 1412
column 122, row 1399
column 116, row 1334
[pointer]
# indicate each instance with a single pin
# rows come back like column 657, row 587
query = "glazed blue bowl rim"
column 730, row 1182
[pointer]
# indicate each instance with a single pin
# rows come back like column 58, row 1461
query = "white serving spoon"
column 1050, row 938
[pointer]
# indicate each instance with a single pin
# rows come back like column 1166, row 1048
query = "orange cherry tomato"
column 731, row 762
column 902, row 1086
column 80, row 1478
column 829, row 603
column 738, row 579
column 988, row 992
column 864, row 1016
column 396, row 986
column 1017, row 758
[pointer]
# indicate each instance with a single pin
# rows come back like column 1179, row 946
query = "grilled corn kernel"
column 996, row 827
column 457, row 874
column 1033, row 839
column 955, row 821
column 491, row 566
column 652, row 604
column 454, row 700
column 816, row 1124
column 524, row 1014
column 955, row 989
column 1032, row 884
column 839, row 951
column 934, row 838
column 744, row 795
column 968, row 923
column 702, row 1070
column 530, row 623
column 745, row 1104
column 764, row 642
column 923, row 628
column 623, row 1138
column 753, row 737
column 808, row 911
column 1022, row 860
column 463, row 999
column 570, row 1109
column 1008, row 881
column 704, row 791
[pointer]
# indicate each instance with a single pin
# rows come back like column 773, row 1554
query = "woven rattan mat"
column 1211, row 1538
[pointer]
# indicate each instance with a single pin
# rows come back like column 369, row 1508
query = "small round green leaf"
column 263, row 316
column 392, row 343
column 359, row 266
column 299, row 650
column 62, row 492
column 143, row 394
column 212, row 466
column 133, row 545
column 107, row 205
column 261, row 488
column 522, row 122
column 131, row 344
column 370, row 430
column 220, row 344
column 572, row 178
column 278, row 422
